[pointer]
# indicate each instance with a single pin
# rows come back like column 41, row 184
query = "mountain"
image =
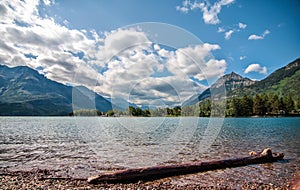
column 223, row 87
column 23, row 91
column 84, row 98
column 283, row 81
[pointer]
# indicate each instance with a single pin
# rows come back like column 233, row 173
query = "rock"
column 266, row 152
column 252, row 153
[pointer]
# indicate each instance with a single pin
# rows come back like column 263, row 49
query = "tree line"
column 258, row 105
column 130, row 111
column 159, row 112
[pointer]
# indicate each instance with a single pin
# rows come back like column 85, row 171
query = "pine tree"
column 289, row 103
column 257, row 105
column 275, row 105
column 246, row 106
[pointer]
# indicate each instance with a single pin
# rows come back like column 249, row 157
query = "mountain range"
column 282, row 82
column 24, row 91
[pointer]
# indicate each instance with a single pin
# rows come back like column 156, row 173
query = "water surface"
column 82, row 146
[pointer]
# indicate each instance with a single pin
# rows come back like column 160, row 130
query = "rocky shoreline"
column 44, row 179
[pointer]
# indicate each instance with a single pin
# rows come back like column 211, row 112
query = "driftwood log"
column 157, row 172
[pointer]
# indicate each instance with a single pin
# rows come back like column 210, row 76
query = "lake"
column 83, row 146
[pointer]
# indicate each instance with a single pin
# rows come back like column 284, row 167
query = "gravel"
column 44, row 179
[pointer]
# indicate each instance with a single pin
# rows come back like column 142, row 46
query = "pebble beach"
column 43, row 179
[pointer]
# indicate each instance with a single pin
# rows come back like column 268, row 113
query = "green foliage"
column 132, row 111
column 237, row 107
column 192, row 110
column 283, row 82
column 173, row 112
column 205, row 108
column 298, row 102
column 110, row 113
column 260, row 104
column 85, row 113
column 177, row 111
column 289, row 103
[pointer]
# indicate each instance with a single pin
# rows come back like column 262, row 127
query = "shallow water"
column 82, row 146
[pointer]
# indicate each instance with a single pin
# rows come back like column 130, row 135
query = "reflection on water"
column 83, row 146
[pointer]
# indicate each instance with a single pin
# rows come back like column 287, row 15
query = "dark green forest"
column 258, row 105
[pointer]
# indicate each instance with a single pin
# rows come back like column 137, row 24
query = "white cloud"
column 220, row 30
column 266, row 32
column 185, row 7
column 182, row 9
column 228, row 34
column 131, row 73
column 255, row 37
column 209, row 12
column 66, row 22
column 229, row 30
column 48, row 2
column 25, row 32
column 259, row 37
column 156, row 47
column 256, row 68
column 242, row 57
column 242, row 25
column 121, row 39
column 196, row 62
column 122, row 63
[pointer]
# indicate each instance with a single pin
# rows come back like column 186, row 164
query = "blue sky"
column 280, row 17
column 68, row 41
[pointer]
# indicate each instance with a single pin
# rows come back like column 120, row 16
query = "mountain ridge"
column 222, row 87
column 234, row 84
column 23, row 91
column 269, row 83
